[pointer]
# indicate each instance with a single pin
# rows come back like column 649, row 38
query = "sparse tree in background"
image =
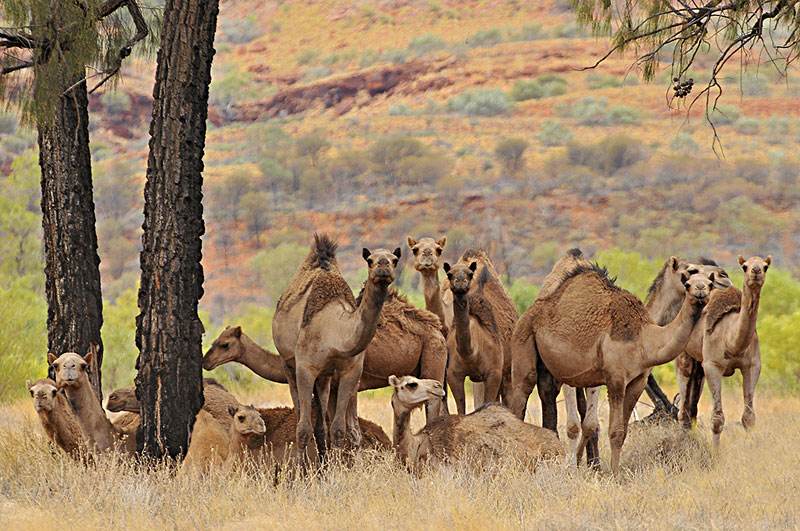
column 51, row 50
column 168, row 329
column 510, row 152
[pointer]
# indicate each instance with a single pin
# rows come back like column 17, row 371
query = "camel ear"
column 394, row 381
column 446, row 268
column 237, row 331
column 768, row 260
column 741, row 260
column 51, row 358
column 441, row 242
column 411, row 242
column 28, row 384
column 673, row 263
column 366, row 254
column 397, row 253
column 89, row 356
column 473, row 266
column 685, row 279
column 232, row 410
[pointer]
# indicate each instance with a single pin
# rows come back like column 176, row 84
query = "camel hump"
column 326, row 287
column 721, row 303
column 323, row 252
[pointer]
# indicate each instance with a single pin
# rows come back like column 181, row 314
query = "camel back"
column 489, row 302
column 399, row 313
column 721, row 303
column 561, row 269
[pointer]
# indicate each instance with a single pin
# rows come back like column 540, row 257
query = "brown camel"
column 483, row 322
column 232, row 345
column 58, row 420
column 427, row 260
column 730, row 341
column 72, row 376
column 126, row 424
column 589, row 332
column 209, row 444
column 489, row 432
column 320, row 333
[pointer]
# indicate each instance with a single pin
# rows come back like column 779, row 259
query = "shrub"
column 307, row 56
column 683, row 143
column 523, row 294
column 623, row 115
column 395, row 56
column 8, row 123
column 747, row 126
column 541, row 87
column 425, row 168
column 753, row 85
column 240, row 31
column 485, row 38
column 778, row 129
column 511, row 154
column 116, row 102
column 529, row 32
column 724, row 114
column 387, row 153
column 480, row 102
column 316, row 72
column 276, row 266
column 426, row 43
column 400, row 110
column 553, row 133
column 607, row 156
column 570, row 30
column 596, row 111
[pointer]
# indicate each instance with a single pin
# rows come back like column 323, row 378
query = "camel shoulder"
column 721, row 303
column 326, row 287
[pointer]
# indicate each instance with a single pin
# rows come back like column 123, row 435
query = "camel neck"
column 240, row 445
column 663, row 344
column 746, row 321
column 664, row 305
column 90, row 414
column 432, row 292
column 401, row 431
column 461, row 325
column 261, row 361
column 365, row 318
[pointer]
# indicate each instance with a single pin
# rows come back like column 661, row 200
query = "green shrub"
column 600, row 81
column 523, row 293
column 541, row 87
column 511, row 154
column 400, row 110
column 8, row 123
column 778, row 129
column 387, row 153
column 485, row 38
column 684, row 143
column 307, row 56
column 276, row 266
column 116, row 102
column 596, row 111
column 623, row 115
column 316, row 72
column 529, row 32
column 480, row 102
column 607, row 156
column 553, row 134
column 724, row 114
column 426, row 168
column 239, row 31
column 395, row 56
column 747, row 126
column 426, row 43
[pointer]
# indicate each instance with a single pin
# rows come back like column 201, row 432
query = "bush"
column 239, row 31
column 8, row 123
column 623, row 115
column 312, row 145
column 485, row 38
column 541, row 87
column 307, row 56
column 747, row 126
column 523, row 294
column 276, row 266
column 778, row 129
column 116, row 102
column 607, row 156
column 683, row 143
column 596, row 111
column 427, row 43
column 480, row 102
column 316, row 72
column 553, row 134
column 400, row 110
column 724, row 114
column 511, row 154
column 427, row 168
column 387, row 153
column 529, row 32
column 600, row 81
column 395, row 56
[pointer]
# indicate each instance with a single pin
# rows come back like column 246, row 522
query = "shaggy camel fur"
column 126, row 425
column 483, row 322
column 589, row 332
column 72, row 376
column 320, row 333
column 490, row 432
column 664, row 299
column 730, row 341
column 427, row 260
column 58, row 419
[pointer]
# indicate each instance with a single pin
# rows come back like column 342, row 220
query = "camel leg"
column 657, row 395
column 478, row 392
column 695, row 389
column 324, row 391
column 291, row 379
column 749, row 380
column 492, row 386
column 523, row 380
column 352, row 417
column 714, row 380
column 573, row 424
column 616, row 422
column 548, row 388
column 590, row 425
column 348, row 387
column 305, row 428
column 433, row 365
column 457, row 387
column 683, row 373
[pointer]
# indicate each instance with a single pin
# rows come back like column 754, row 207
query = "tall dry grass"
column 670, row 479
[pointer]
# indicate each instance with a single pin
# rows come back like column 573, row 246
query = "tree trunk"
column 168, row 329
column 72, row 266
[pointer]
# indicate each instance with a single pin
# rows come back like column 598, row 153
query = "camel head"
column 44, row 394
column 227, row 347
column 247, row 421
column 71, row 369
column 460, row 276
column 755, row 270
column 382, row 264
column 707, row 267
column 410, row 392
column 123, row 399
column 698, row 286
column 427, row 252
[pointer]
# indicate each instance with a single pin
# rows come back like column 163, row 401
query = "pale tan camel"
column 209, row 444
column 58, row 420
column 320, row 332
column 72, row 376
column 589, row 332
column 427, row 260
column 730, row 341
column 488, row 433
column 483, row 322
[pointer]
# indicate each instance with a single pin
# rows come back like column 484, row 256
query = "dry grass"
column 670, row 480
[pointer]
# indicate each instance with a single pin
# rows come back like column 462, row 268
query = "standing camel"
column 589, row 332
column 427, row 260
column 483, row 321
column 320, row 332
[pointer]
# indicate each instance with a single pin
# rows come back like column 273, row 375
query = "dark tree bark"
column 168, row 329
column 74, row 301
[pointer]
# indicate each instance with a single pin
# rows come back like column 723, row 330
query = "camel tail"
column 323, row 251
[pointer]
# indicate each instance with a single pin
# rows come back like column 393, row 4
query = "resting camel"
column 58, row 420
column 72, row 376
column 407, row 341
column 483, row 321
column 320, row 332
column 589, row 332
column 488, row 432
column 730, row 341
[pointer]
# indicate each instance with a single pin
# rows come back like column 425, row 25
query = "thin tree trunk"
column 72, row 265
column 168, row 329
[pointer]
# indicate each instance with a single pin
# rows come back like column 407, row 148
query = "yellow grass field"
column 670, row 479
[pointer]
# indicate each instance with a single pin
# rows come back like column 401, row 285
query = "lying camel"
column 72, row 376
column 58, row 420
column 489, row 432
column 209, row 444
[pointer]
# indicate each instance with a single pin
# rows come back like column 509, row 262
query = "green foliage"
column 634, row 272
column 116, row 102
column 275, row 267
column 316, row 72
column 747, row 126
column 779, row 336
column 307, row 56
column 553, row 133
column 427, row 43
column 607, row 156
column 529, row 32
column 119, row 334
column 480, row 102
column 523, row 294
column 20, row 220
column 239, row 31
column 540, row 87
column 387, row 153
column 724, row 114
column 510, row 152
column 312, row 145
column 684, row 143
column 545, row 254
column 8, row 123
column 596, row 111
column 485, row 38
column 426, row 168
column 23, row 337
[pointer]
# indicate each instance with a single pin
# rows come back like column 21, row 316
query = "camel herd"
column 581, row 332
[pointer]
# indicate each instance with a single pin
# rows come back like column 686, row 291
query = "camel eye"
column 240, row 418
column 744, row 268
column 224, row 345
column 693, row 271
column 438, row 251
column 415, row 250
column 765, row 268
column 31, row 391
column 53, row 393
column 412, row 385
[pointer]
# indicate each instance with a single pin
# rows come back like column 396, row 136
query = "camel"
column 209, row 444
column 407, row 341
column 126, row 425
column 483, row 322
column 589, row 332
column 730, row 341
column 488, row 432
column 58, row 420
column 320, row 333
column 72, row 376
column 427, row 257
